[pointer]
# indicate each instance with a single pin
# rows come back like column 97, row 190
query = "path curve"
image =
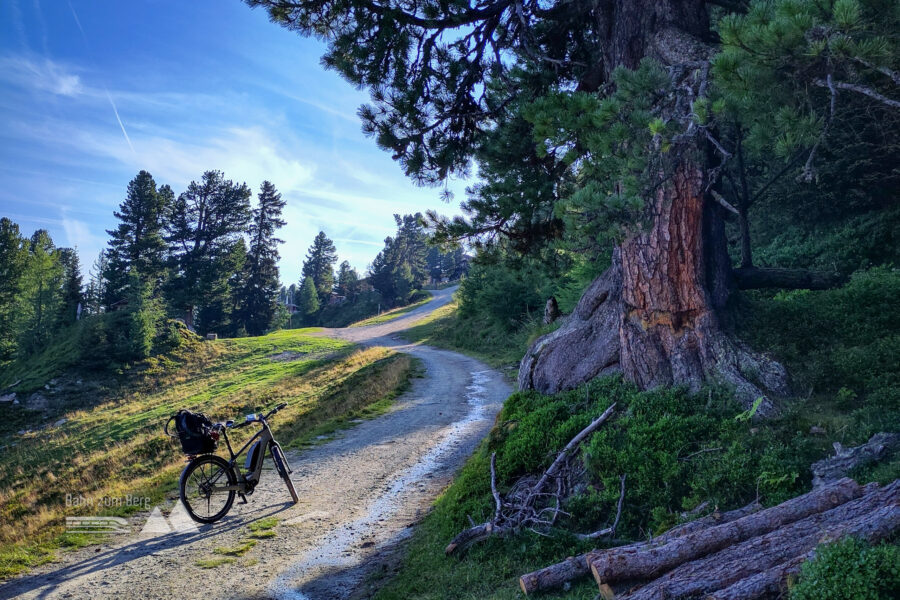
column 360, row 495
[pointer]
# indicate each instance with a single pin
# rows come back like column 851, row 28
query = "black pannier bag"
column 194, row 430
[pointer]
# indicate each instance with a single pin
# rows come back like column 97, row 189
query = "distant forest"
column 207, row 259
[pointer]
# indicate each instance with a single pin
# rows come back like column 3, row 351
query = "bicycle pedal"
column 243, row 498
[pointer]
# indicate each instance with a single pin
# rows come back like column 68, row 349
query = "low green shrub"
column 850, row 568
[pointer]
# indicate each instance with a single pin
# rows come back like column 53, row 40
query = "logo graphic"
column 179, row 522
column 97, row 525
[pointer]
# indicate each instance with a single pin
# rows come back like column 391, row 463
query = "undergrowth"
column 676, row 449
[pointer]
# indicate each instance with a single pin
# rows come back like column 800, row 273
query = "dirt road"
column 360, row 494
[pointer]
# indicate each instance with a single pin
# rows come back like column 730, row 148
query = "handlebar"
column 275, row 410
column 231, row 425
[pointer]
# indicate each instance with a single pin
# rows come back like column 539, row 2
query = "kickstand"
column 243, row 498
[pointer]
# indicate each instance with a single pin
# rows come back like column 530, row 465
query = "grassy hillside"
column 103, row 437
column 395, row 313
column 475, row 335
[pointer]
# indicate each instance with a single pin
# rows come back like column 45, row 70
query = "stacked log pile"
column 745, row 554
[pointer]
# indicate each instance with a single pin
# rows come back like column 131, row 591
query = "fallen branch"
column 879, row 446
column 521, row 507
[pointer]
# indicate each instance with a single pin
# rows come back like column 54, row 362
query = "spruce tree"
column 319, row 265
column 13, row 263
column 308, row 301
column 96, row 287
column 401, row 267
column 72, row 296
column 347, row 280
column 259, row 294
column 137, row 243
column 206, row 221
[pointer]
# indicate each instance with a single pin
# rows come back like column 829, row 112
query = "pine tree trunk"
column 655, row 315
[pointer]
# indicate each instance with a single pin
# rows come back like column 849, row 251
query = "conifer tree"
column 72, row 295
column 319, row 265
column 13, row 263
column 308, row 301
column 347, row 280
column 206, row 222
column 42, row 291
column 137, row 243
column 96, row 287
column 258, row 296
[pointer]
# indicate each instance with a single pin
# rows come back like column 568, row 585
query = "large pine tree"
column 319, row 265
column 617, row 96
column 137, row 244
column 206, row 223
column 259, row 293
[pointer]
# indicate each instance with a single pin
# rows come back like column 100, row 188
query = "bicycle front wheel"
column 281, row 465
column 201, row 488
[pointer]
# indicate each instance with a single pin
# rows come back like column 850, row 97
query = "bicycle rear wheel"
column 281, row 465
column 199, row 484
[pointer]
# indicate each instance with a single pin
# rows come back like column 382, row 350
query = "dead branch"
column 527, row 504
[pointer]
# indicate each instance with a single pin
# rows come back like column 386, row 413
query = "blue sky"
column 92, row 91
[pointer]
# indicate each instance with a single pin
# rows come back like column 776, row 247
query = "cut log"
column 577, row 567
column 755, row 278
column 765, row 584
column 874, row 516
column 646, row 563
column 879, row 446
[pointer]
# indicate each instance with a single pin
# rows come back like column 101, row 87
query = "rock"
column 816, row 430
column 37, row 401
column 8, row 398
column 60, row 422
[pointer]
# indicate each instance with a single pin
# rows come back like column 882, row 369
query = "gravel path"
column 360, row 494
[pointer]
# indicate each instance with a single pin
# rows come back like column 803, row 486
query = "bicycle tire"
column 281, row 465
column 209, row 468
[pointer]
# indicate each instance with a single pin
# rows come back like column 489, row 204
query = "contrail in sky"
column 108, row 95
column 115, row 110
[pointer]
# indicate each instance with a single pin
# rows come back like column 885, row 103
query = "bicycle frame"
column 266, row 439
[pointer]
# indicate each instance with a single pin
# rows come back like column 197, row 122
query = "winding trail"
column 360, row 494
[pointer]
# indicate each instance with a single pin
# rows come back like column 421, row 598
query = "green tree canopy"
column 319, row 265
column 258, row 295
column 308, row 301
column 137, row 243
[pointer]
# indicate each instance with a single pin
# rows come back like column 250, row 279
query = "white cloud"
column 81, row 236
column 40, row 76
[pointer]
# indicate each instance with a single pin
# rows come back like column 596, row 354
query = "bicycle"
column 209, row 483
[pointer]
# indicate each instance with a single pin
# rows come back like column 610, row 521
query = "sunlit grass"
column 392, row 314
column 112, row 444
